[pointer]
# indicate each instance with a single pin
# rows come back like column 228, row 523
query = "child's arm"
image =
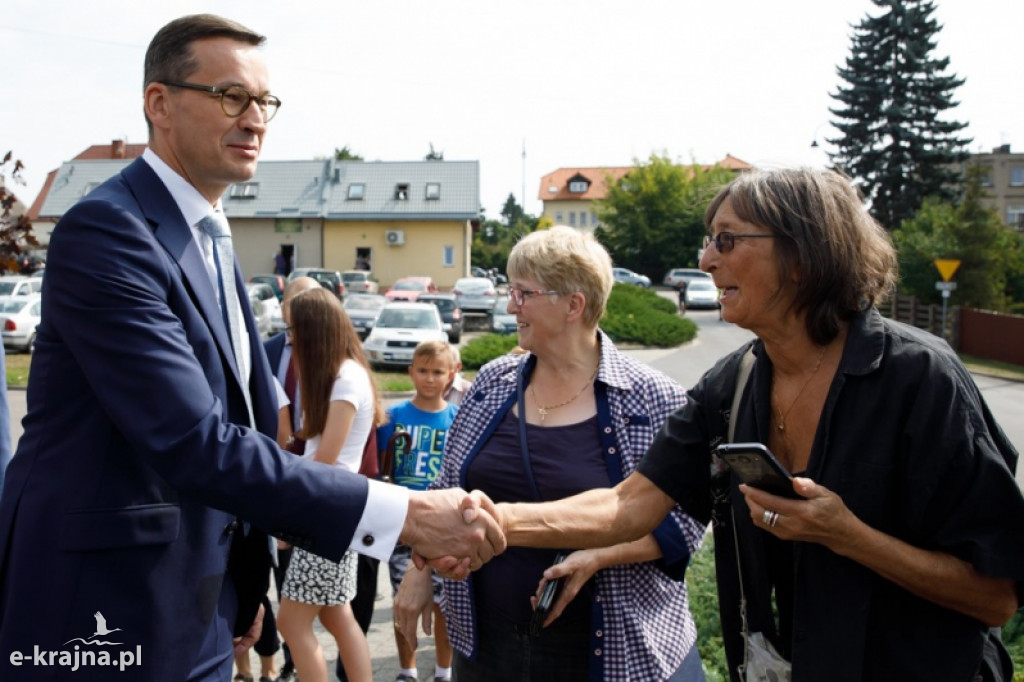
column 284, row 428
column 340, row 416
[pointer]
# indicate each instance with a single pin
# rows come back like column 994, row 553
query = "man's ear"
column 157, row 104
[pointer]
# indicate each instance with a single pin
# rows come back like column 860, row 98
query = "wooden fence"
column 983, row 334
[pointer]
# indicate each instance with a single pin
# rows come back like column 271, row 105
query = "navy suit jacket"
column 136, row 458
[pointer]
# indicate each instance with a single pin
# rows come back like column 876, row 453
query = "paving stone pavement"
column 381, row 639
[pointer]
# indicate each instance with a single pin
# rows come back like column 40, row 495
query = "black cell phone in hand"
column 757, row 467
column 547, row 598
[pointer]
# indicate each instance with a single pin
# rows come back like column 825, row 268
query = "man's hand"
column 414, row 599
column 439, row 525
column 245, row 642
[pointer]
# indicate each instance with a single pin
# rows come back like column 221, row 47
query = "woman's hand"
column 937, row 576
column 577, row 569
column 415, row 598
column 821, row 516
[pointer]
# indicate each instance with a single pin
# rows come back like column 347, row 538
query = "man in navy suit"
column 147, row 473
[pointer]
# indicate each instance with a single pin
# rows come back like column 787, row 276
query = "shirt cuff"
column 382, row 520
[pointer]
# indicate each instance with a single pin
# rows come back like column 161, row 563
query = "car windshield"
column 701, row 285
column 6, row 288
column 353, row 277
column 406, row 319
column 12, row 306
column 445, row 305
column 501, row 306
column 364, row 302
column 409, row 285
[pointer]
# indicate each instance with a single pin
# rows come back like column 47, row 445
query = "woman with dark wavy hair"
column 903, row 543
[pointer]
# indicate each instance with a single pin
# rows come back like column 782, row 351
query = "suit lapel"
column 175, row 235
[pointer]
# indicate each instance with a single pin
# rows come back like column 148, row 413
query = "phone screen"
column 755, row 465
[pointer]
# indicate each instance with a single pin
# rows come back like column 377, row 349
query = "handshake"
column 452, row 531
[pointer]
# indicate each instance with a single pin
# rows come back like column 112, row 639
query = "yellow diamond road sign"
column 946, row 268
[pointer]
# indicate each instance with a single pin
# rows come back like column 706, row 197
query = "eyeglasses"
column 519, row 296
column 725, row 241
column 234, row 99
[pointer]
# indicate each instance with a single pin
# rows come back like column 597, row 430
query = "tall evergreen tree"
column 894, row 141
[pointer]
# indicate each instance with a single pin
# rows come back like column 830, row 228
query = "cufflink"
column 368, row 540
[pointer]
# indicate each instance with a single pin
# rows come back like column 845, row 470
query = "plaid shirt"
column 641, row 627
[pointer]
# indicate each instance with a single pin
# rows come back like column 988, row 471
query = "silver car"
column 363, row 310
column 475, row 294
column 19, row 318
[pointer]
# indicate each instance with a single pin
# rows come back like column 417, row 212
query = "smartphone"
column 547, row 598
column 757, row 467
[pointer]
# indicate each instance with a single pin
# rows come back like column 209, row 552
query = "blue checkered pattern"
column 641, row 625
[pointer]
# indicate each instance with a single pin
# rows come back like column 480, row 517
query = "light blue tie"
column 216, row 226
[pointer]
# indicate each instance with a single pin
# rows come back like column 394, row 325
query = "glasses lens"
column 517, row 296
column 269, row 104
column 234, row 100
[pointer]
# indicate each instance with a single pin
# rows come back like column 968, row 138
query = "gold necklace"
column 544, row 409
column 782, row 417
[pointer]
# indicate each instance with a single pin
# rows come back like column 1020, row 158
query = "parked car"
column 475, row 294
column 273, row 307
column 502, row 322
column 363, row 310
column 358, row 282
column 329, row 279
column 275, row 282
column 629, row 277
column 260, row 312
column 19, row 318
column 701, row 293
column 18, row 286
column 675, row 276
column 451, row 313
column 400, row 328
column 492, row 274
column 410, row 288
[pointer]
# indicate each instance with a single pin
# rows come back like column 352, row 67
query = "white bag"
column 764, row 664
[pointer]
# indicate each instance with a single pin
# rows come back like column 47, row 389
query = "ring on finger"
column 770, row 518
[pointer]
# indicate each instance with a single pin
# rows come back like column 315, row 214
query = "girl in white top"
column 340, row 409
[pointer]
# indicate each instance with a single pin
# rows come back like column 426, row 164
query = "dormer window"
column 433, row 191
column 402, row 191
column 356, row 191
column 578, row 186
column 245, row 190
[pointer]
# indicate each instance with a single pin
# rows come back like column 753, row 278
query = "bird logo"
column 101, row 631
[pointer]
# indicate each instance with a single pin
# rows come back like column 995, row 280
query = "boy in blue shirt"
column 426, row 418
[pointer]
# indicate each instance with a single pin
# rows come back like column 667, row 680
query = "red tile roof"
column 597, row 179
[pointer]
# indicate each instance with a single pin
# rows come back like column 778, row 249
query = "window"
column 593, row 219
column 1015, row 217
column 572, row 218
column 433, row 191
column 578, row 186
column 245, row 190
column 583, row 218
column 356, row 191
column 986, row 177
column 1017, row 176
column 449, row 256
column 558, row 218
column 402, row 191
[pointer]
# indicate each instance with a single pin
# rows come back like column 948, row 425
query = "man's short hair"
column 434, row 349
column 169, row 56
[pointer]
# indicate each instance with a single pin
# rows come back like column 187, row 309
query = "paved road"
column 684, row 364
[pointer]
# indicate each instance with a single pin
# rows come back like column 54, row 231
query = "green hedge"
column 483, row 349
column 638, row 315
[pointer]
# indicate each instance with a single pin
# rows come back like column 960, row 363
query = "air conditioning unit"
column 395, row 237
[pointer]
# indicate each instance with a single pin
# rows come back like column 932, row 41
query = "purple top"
column 566, row 460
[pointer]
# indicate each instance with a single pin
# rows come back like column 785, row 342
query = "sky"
column 573, row 82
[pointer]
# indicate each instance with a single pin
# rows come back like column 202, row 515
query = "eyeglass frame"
column 521, row 296
column 220, row 92
column 722, row 238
